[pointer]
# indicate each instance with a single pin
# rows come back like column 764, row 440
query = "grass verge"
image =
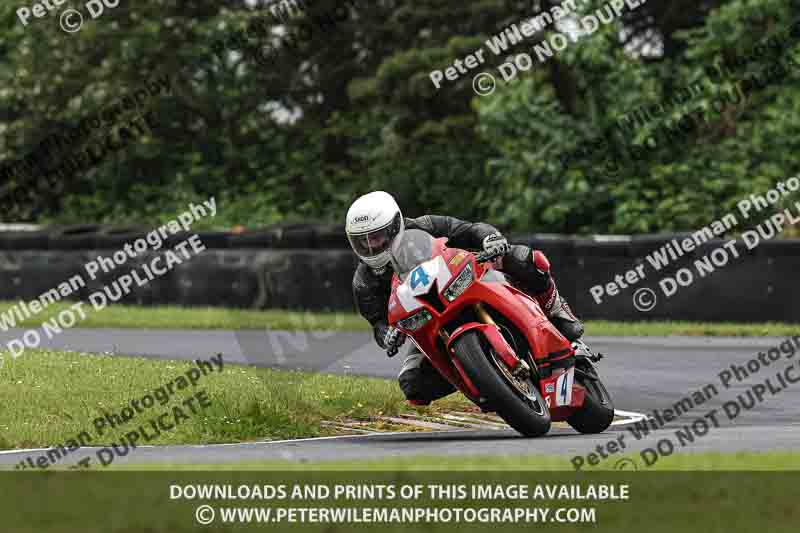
column 173, row 317
column 687, row 462
column 164, row 317
column 51, row 397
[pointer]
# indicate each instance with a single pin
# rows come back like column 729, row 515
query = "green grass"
column 772, row 461
column 694, row 329
column 120, row 316
column 692, row 462
column 169, row 317
column 49, row 397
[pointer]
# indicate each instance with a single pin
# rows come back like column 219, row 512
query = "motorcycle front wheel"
column 514, row 399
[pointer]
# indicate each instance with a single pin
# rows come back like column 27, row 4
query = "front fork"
column 518, row 367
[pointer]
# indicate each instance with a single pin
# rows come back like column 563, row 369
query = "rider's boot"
column 530, row 269
column 558, row 311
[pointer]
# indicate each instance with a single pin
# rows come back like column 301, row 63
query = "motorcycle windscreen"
column 412, row 248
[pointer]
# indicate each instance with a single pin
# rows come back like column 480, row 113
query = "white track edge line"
column 633, row 417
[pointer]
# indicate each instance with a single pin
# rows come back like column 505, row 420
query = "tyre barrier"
column 28, row 274
column 219, row 278
column 213, row 240
column 293, row 236
column 78, row 237
column 115, row 237
column 308, row 279
column 332, row 237
column 279, row 236
column 759, row 285
column 94, row 236
column 24, row 240
column 158, row 291
column 305, row 279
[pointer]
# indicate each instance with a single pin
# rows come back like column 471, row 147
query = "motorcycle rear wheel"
column 517, row 409
column 597, row 412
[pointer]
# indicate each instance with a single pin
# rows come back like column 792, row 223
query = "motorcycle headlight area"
column 460, row 284
column 415, row 321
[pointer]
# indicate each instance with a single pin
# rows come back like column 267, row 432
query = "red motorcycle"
column 491, row 340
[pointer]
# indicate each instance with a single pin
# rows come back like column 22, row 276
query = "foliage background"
column 296, row 136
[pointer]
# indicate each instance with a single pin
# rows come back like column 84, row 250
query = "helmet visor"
column 377, row 241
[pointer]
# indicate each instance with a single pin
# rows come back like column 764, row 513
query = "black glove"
column 379, row 331
column 496, row 244
column 393, row 341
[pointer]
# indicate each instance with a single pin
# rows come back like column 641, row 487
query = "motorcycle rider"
column 374, row 221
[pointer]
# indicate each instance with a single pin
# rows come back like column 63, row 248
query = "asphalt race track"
column 642, row 373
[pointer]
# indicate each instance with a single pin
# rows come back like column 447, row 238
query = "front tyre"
column 597, row 412
column 515, row 400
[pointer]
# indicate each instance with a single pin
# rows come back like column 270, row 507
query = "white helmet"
column 373, row 222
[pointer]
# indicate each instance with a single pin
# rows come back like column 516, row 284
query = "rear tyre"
column 597, row 412
column 528, row 414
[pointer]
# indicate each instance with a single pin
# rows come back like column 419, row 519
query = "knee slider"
column 522, row 264
column 418, row 402
column 423, row 385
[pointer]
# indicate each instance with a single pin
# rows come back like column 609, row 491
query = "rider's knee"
column 411, row 383
column 517, row 261
column 518, row 256
column 530, row 267
column 422, row 384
